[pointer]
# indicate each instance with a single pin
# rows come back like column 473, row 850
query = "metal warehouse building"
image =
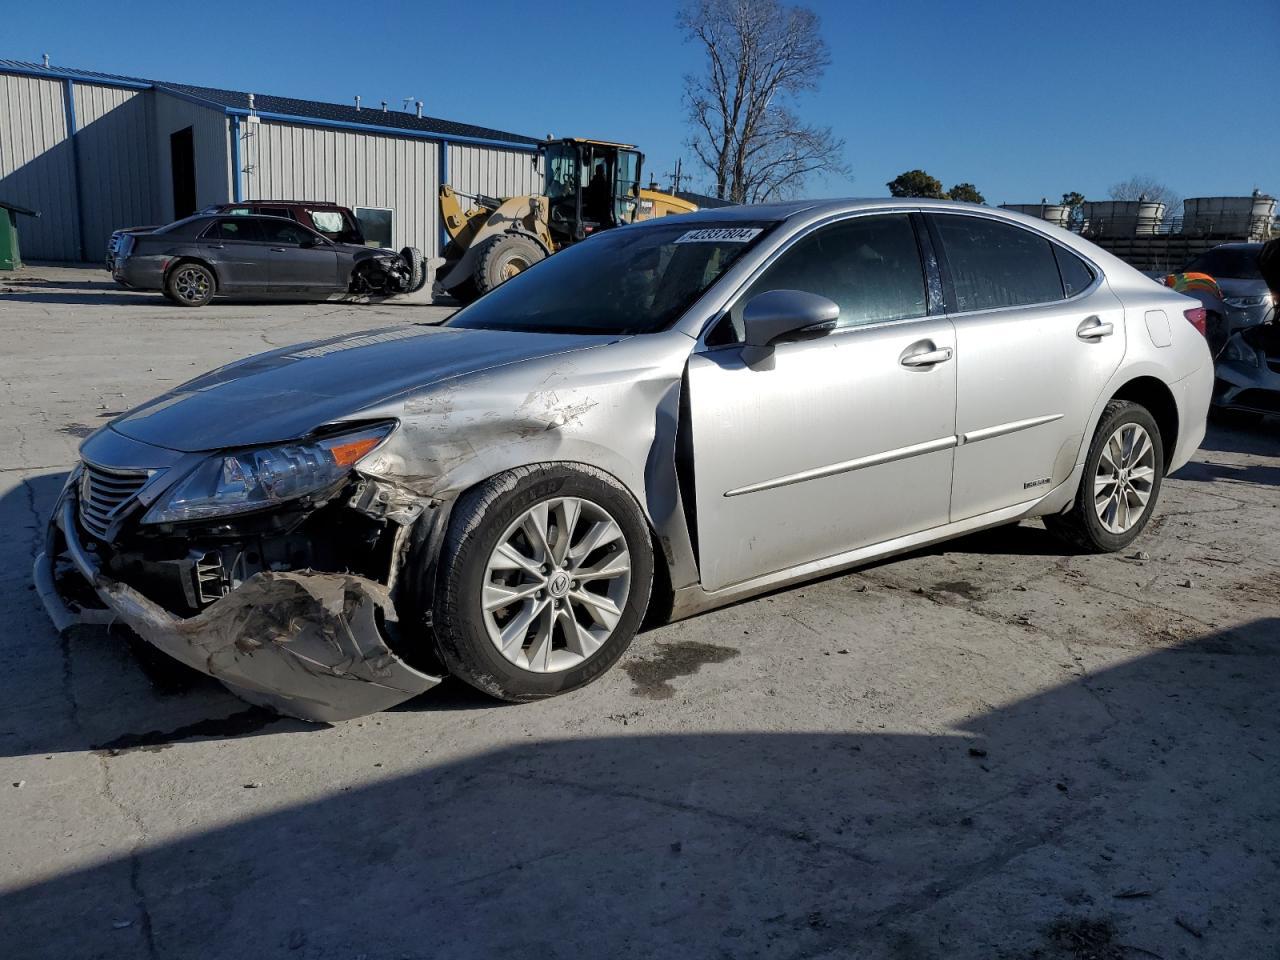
column 94, row 152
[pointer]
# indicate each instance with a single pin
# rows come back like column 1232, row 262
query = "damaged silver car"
column 662, row 419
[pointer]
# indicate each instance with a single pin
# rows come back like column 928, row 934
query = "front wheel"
column 543, row 580
column 1121, row 482
column 503, row 257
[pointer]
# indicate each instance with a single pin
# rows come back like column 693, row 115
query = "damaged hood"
column 287, row 393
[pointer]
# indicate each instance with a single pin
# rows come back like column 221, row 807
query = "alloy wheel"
column 556, row 584
column 1124, row 478
column 191, row 285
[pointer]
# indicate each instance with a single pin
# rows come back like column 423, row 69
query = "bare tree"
column 1145, row 187
column 760, row 56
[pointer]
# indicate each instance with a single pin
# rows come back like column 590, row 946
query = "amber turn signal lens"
column 348, row 452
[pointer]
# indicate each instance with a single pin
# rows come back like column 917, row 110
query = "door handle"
column 1093, row 328
column 217, row 246
column 280, row 249
column 927, row 358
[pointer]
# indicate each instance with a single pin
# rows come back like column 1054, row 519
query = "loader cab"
column 591, row 185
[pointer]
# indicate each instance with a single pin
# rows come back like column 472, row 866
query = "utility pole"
column 678, row 177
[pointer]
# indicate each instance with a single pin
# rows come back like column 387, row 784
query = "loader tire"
column 502, row 258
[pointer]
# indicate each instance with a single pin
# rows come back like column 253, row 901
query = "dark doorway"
column 182, row 158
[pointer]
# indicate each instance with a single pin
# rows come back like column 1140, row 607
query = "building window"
column 376, row 224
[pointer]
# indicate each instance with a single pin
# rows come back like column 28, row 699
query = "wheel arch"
column 192, row 258
column 417, row 579
column 1157, row 398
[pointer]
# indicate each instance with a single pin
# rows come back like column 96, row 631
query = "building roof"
column 319, row 110
column 703, row 200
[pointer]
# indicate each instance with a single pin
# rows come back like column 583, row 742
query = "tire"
column 417, row 268
column 564, row 643
column 465, row 292
column 167, row 295
column 502, row 257
column 190, row 284
column 1112, row 525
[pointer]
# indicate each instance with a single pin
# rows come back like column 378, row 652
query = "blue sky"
column 1024, row 99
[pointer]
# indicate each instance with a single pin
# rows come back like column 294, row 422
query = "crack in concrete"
column 107, row 792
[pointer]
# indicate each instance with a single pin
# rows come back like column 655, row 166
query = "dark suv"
column 335, row 222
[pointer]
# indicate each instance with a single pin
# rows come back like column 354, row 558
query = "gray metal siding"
column 211, row 133
column 116, row 151
column 295, row 162
column 497, row 173
column 36, row 167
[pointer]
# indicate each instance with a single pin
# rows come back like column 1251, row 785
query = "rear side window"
column 276, row 212
column 997, row 265
column 1075, row 273
column 233, row 228
column 870, row 266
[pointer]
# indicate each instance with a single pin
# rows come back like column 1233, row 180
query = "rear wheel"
column 1121, row 482
column 190, row 284
column 502, row 257
column 543, row 579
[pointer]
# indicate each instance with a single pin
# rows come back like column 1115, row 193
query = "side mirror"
column 310, row 241
column 787, row 314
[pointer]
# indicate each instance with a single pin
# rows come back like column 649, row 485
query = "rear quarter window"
column 1076, row 274
column 996, row 264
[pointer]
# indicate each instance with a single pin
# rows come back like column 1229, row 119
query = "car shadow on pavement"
column 1135, row 806
column 1260, row 440
column 104, row 299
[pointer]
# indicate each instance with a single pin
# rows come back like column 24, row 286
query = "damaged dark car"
column 662, row 419
column 194, row 260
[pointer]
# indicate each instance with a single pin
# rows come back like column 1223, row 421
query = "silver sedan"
column 663, row 419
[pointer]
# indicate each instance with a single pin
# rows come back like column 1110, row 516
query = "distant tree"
column 759, row 56
column 916, row 183
column 966, row 193
column 1145, row 187
column 1072, row 199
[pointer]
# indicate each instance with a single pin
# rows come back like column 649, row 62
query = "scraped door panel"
column 844, row 406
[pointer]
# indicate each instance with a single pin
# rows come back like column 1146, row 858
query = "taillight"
column 1198, row 318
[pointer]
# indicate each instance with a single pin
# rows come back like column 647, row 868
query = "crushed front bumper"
column 306, row 644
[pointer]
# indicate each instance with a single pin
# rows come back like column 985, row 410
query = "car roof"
column 1238, row 245
column 787, row 209
column 287, row 203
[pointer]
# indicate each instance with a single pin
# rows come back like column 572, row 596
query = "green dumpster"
column 10, row 257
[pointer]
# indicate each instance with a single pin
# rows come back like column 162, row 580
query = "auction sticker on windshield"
column 720, row 235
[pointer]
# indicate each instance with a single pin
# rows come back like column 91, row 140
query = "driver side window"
column 869, row 266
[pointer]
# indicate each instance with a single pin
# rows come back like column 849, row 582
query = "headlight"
column 1240, row 352
column 253, row 479
column 1260, row 300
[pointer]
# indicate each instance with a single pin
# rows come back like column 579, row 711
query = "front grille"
column 105, row 493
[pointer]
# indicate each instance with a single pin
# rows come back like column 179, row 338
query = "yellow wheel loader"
column 590, row 185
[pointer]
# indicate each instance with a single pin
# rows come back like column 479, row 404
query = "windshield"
column 562, row 170
column 626, row 280
column 1233, row 263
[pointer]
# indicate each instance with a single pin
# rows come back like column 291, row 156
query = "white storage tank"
column 1123, row 218
column 1055, row 213
column 1237, row 217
